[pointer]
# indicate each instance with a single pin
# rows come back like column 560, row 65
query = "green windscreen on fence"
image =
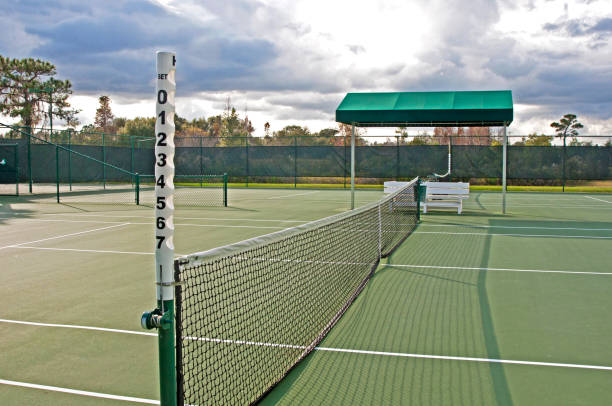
column 9, row 170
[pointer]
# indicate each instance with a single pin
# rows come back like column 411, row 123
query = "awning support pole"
column 504, row 168
column 352, row 166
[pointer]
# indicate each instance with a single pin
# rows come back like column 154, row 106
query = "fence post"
column 201, row 159
column 57, row 181
column 16, row 170
column 563, row 160
column 103, row 162
column 450, row 158
column 132, row 169
column 70, row 158
column 295, row 151
column 247, row 160
column 397, row 157
column 418, row 199
column 29, row 131
column 344, row 169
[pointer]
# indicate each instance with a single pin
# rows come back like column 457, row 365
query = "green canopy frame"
column 427, row 109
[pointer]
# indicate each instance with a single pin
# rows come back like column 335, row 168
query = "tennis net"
column 248, row 312
column 189, row 190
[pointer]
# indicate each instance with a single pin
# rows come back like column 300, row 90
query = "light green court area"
column 478, row 308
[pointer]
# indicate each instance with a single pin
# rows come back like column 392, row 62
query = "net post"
column 352, row 166
column 57, row 181
column 162, row 318
column 225, row 190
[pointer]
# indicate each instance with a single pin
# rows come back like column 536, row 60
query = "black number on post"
column 162, row 115
column 161, row 182
column 162, row 139
column 160, row 240
column 161, row 223
column 161, row 202
column 162, row 159
column 162, row 97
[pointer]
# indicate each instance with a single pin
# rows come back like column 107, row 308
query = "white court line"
column 405, row 355
column 63, row 236
column 79, row 392
column 341, row 350
column 77, row 327
column 176, row 217
column 94, row 251
column 495, row 269
column 139, row 223
column 513, row 227
column 594, row 198
column 295, row 194
column 517, row 235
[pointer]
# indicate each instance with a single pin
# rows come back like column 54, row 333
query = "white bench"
column 393, row 185
column 445, row 194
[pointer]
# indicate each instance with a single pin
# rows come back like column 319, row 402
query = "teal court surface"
column 473, row 309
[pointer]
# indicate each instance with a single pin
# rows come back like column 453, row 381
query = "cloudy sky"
column 292, row 61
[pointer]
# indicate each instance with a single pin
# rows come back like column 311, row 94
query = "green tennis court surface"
column 479, row 308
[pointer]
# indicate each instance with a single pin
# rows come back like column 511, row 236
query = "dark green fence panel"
column 471, row 161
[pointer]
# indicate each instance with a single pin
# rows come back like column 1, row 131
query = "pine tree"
column 24, row 89
column 104, row 115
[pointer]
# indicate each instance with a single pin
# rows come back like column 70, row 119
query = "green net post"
column 57, row 173
column 70, row 159
column 104, row 161
column 225, row 189
column 137, row 188
column 247, row 160
column 295, row 151
column 29, row 133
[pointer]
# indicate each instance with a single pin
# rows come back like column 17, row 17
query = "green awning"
column 427, row 109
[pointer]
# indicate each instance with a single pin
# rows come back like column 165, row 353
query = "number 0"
column 162, row 97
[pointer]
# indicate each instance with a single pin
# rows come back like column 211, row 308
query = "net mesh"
column 248, row 312
column 189, row 190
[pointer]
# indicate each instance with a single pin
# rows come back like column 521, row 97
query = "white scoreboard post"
column 162, row 318
column 164, row 175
